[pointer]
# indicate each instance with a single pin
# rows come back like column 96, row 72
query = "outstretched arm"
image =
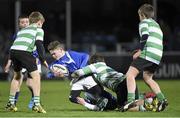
column 84, row 71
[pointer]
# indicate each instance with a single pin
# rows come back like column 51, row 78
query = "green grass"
column 54, row 97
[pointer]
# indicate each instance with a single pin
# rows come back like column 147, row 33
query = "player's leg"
column 148, row 78
column 85, row 84
column 29, row 63
column 36, row 80
column 14, row 56
column 13, row 89
column 136, row 67
column 29, row 84
column 74, row 96
column 97, row 92
column 19, row 86
column 36, row 85
column 131, row 83
column 112, row 101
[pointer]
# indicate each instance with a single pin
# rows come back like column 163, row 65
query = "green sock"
column 131, row 97
column 160, row 96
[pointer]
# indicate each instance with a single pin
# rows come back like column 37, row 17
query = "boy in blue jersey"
column 73, row 61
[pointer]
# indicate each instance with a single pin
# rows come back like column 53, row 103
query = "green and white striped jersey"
column 104, row 74
column 153, row 48
column 26, row 37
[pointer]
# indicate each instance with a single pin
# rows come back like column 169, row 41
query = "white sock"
column 90, row 106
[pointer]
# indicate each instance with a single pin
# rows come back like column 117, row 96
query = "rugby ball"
column 59, row 68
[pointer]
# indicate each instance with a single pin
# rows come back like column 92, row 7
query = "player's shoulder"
column 40, row 30
column 73, row 53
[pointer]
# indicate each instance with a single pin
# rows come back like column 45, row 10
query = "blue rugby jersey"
column 72, row 60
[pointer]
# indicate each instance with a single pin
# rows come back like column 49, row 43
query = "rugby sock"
column 16, row 96
column 160, row 96
column 131, row 97
column 90, row 106
column 36, row 100
column 12, row 99
column 141, row 108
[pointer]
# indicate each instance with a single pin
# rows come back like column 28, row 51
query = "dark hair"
column 96, row 58
column 147, row 10
column 35, row 16
column 54, row 45
column 23, row 16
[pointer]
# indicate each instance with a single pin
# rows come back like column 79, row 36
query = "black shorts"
column 22, row 59
column 144, row 65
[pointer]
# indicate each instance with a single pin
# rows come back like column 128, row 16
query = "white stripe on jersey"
column 40, row 30
column 24, row 39
column 154, row 40
column 145, row 32
column 19, row 47
column 105, row 75
column 152, row 60
column 93, row 68
column 155, row 51
column 39, row 38
column 28, row 31
column 143, row 25
column 100, row 69
column 155, row 29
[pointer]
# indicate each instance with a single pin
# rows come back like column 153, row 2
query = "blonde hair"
column 147, row 10
column 36, row 16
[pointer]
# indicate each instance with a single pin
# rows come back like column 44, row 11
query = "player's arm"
column 144, row 33
column 7, row 67
column 41, row 52
column 90, row 69
column 40, row 47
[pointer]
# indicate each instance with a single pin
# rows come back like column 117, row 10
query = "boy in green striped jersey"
column 147, row 58
column 106, row 76
column 21, row 54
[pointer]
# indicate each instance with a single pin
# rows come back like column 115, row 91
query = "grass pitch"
column 54, row 97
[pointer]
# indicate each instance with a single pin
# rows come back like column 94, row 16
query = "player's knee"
column 17, row 75
column 147, row 79
column 73, row 99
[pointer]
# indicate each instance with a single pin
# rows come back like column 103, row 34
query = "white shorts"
column 85, row 83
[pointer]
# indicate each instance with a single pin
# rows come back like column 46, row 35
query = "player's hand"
column 134, row 51
column 75, row 75
column 80, row 100
column 58, row 74
column 6, row 69
column 45, row 64
column 136, row 54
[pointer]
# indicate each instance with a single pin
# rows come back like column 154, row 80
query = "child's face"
column 57, row 53
column 141, row 15
column 40, row 23
column 23, row 22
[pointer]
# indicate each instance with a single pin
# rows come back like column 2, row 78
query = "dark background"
column 105, row 23
column 93, row 17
